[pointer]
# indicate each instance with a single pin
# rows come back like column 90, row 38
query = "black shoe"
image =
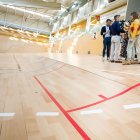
column 118, row 62
column 112, row 61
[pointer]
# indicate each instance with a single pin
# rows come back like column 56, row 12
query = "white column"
column 88, row 24
column 69, row 30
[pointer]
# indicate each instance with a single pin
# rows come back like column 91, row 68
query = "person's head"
column 134, row 15
column 117, row 17
column 108, row 22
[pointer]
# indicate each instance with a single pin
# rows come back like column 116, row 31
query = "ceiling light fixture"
column 26, row 11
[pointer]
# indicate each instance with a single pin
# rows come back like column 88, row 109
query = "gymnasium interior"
column 53, row 82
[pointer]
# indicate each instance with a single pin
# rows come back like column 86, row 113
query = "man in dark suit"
column 105, row 32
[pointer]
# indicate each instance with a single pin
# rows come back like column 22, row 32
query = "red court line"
column 105, row 99
column 71, row 120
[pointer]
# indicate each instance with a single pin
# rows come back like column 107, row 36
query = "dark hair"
column 135, row 15
column 108, row 20
column 115, row 17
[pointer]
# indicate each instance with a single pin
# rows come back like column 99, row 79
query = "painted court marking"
column 89, row 112
column 7, row 114
column 83, row 134
column 66, row 114
column 47, row 114
column 129, row 73
column 132, row 106
column 104, row 99
column 102, row 70
column 51, row 70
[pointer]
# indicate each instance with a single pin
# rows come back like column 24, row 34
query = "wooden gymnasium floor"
column 74, row 98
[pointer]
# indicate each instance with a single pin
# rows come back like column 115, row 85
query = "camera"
column 124, row 25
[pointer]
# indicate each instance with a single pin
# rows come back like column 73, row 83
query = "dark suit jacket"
column 103, row 30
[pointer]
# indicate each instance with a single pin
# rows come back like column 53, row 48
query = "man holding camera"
column 116, row 30
column 105, row 32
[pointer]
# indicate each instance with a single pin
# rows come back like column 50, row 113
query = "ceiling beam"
column 73, row 7
column 32, row 4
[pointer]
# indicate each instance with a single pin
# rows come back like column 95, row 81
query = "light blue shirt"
column 107, row 35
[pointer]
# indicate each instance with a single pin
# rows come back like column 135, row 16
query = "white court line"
column 89, row 112
column 132, row 106
column 47, row 114
column 7, row 114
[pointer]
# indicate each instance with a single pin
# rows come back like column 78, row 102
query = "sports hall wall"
column 18, row 46
column 86, row 44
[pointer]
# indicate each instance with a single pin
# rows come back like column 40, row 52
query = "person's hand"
column 122, row 34
column 131, row 40
column 107, row 32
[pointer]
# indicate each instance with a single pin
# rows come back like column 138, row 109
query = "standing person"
column 134, row 39
column 123, row 53
column 115, row 41
column 105, row 32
